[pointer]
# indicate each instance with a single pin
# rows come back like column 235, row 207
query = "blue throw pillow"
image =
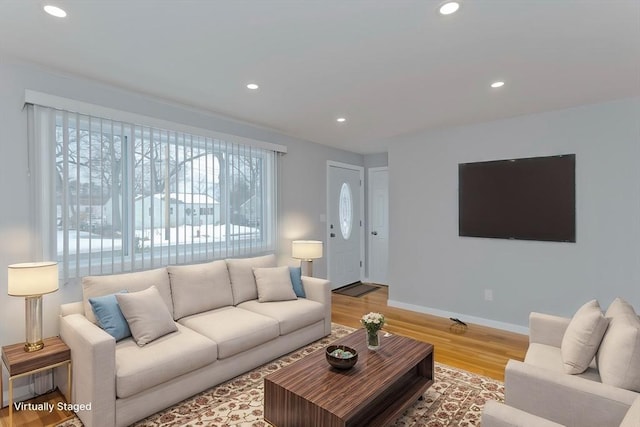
column 109, row 316
column 296, row 280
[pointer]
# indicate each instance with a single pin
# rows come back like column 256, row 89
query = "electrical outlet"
column 488, row 294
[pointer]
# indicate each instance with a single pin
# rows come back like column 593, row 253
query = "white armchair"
column 497, row 414
column 540, row 387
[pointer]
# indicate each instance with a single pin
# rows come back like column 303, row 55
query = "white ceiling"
column 391, row 67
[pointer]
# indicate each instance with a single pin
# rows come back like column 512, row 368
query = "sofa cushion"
column 97, row 286
column 146, row 314
column 549, row 357
column 243, row 282
column 632, row 418
column 110, row 317
column 582, row 337
column 296, row 281
column 274, row 284
column 140, row 368
column 619, row 354
column 234, row 330
column 291, row 315
column 199, row 287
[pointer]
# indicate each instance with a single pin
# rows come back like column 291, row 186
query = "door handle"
column 332, row 235
column 375, row 233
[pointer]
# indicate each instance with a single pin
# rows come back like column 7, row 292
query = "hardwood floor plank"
column 477, row 349
column 38, row 418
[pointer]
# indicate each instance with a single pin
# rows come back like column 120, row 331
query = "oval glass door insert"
column 345, row 210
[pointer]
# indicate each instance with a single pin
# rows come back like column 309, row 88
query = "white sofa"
column 223, row 330
column 541, row 387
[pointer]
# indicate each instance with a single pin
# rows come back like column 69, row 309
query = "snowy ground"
column 86, row 242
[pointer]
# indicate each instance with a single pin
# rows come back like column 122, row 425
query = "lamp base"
column 33, row 327
column 309, row 270
column 33, row 346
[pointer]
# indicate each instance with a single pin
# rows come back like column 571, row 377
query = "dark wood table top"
column 18, row 361
column 313, row 379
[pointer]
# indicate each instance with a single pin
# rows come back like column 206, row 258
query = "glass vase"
column 373, row 341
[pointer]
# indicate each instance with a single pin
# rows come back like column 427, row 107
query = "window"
column 207, row 211
column 130, row 197
column 345, row 210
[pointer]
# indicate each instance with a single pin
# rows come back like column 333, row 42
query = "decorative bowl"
column 341, row 356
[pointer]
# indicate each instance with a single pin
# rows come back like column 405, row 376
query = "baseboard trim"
column 465, row 317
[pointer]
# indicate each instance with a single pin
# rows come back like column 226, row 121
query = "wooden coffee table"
column 310, row 393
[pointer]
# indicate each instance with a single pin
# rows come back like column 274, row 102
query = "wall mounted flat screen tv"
column 529, row 199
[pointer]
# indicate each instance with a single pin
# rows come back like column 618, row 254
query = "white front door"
column 378, row 224
column 344, row 221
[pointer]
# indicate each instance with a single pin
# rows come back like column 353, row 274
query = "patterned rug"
column 455, row 399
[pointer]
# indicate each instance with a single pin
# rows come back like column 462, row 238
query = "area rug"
column 455, row 399
column 356, row 289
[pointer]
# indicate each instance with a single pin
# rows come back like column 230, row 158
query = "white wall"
column 303, row 175
column 432, row 269
column 303, row 185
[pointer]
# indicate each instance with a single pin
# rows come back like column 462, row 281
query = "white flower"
column 373, row 321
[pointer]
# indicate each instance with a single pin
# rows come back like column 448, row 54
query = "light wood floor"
column 38, row 418
column 478, row 349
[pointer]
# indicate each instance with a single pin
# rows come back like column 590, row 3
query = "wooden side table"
column 19, row 363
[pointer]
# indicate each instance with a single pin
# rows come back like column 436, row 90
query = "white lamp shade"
column 306, row 249
column 32, row 278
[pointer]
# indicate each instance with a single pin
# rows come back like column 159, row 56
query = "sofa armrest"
column 93, row 357
column 319, row 290
column 547, row 329
column 496, row 414
column 563, row 398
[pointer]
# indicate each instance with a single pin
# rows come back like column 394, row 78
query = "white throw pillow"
column 582, row 337
column 619, row 354
column 146, row 314
column 274, row 284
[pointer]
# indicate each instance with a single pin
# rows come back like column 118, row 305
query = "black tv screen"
column 529, row 199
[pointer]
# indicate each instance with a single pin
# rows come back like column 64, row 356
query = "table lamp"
column 31, row 280
column 307, row 250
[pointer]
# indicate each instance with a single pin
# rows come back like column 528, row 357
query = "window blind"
column 130, row 196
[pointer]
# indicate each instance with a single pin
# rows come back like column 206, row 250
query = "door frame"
column 360, row 170
column 369, row 214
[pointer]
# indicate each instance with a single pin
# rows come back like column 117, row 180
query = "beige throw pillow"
column 199, row 287
column 619, row 354
column 146, row 314
column 97, row 286
column 243, row 282
column 582, row 337
column 274, row 284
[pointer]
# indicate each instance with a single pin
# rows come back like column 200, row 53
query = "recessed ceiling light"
column 341, row 120
column 449, row 7
column 497, row 84
column 55, row 11
column 252, row 86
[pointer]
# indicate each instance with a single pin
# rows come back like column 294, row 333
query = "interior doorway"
column 378, row 224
